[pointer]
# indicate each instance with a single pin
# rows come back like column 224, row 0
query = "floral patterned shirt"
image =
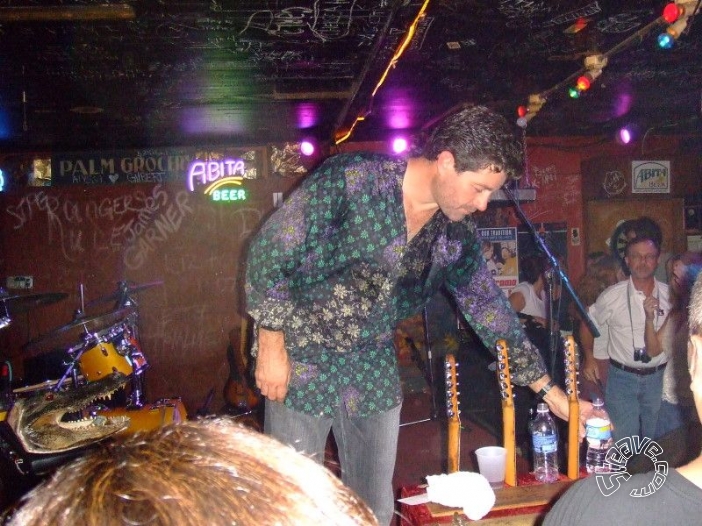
column 332, row 268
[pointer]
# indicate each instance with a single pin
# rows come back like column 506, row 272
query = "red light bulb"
column 671, row 12
column 583, row 83
column 522, row 111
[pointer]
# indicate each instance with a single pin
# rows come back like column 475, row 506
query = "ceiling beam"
column 67, row 13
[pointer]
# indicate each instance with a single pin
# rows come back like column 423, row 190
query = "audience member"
column 530, row 299
column 627, row 316
column 647, row 227
column 677, row 405
column 200, row 472
column 658, row 497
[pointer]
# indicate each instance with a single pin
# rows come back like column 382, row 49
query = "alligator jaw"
column 37, row 420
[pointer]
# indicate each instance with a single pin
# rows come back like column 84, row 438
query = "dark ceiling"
column 85, row 74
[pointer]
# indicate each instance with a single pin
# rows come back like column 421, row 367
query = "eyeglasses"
column 641, row 257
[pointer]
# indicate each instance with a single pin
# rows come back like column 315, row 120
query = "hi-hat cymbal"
column 72, row 333
column 24, row 302
column 124, row 290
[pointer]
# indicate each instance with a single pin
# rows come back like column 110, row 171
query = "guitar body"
column 454, row 421
column 238, row 393
column 504, row 380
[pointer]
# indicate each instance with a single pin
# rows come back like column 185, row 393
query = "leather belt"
column 641, row 371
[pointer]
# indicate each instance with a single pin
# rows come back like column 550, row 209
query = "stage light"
column 624, row 135
column 306, row 148
column 399, row 145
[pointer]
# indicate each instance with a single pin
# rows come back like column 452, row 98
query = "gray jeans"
column 367, row 448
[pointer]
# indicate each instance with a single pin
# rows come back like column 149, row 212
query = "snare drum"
column 101, row 361
column 151, row 416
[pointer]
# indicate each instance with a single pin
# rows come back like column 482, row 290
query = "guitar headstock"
column 452, row 393
column 504, row 378
column 571, row 362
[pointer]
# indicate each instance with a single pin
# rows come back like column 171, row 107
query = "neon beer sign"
column 221, row 179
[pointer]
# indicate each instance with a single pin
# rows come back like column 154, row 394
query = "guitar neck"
column 571, row 367
column 453, row 445
column 504, row 380
column 509, row 442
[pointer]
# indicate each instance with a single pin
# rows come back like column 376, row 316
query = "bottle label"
column 545, row 443
column 598, row 429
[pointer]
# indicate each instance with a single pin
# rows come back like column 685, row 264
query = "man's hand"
column 272, row 365
column 558, row 404
column 590, row 370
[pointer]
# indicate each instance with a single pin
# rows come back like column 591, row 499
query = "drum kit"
column 93, row 347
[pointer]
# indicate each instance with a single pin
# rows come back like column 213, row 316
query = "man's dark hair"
column 478, row 138
column 532, row 267
column 645, row 227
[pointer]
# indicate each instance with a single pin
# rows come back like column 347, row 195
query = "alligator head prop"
column 39, row 423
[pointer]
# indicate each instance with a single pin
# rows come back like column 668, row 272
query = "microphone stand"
column 554, row 263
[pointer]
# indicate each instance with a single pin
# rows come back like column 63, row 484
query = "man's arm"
column 653, row 343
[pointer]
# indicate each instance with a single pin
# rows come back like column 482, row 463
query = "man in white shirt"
column 628, row 315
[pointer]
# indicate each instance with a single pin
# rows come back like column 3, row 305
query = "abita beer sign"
column 650, row 177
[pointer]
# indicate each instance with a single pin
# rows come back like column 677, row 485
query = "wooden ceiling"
column 77, row 75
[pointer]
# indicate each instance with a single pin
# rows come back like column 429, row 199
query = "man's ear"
column 446, row 161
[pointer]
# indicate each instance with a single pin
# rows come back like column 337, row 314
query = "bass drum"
column 151, row 416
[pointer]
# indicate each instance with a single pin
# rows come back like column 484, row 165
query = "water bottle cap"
column 542, row 408
column 597, row 402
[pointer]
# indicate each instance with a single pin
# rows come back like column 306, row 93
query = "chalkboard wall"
column 182, row 249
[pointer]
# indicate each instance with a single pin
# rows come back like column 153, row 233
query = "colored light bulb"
column 583, row 83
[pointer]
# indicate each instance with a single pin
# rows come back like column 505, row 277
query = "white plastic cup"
column 491, row 464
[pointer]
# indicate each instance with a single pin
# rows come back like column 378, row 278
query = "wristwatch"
column 545, row 389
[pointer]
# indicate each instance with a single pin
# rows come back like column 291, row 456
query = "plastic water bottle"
column 544, row 439
column 598, row 432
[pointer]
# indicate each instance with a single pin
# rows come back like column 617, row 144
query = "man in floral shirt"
column 363, row 243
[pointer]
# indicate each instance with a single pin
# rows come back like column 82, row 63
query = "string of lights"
column 676, row 16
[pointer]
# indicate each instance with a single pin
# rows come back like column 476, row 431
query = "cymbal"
column 24, row 302
column 72, row 333
column 123, row 291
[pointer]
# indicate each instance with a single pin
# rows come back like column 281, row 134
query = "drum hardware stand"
column 71, row 367
column 136, row 397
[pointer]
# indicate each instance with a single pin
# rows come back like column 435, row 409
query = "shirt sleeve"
column 487, row 310
column 285, row 252
column 600, row 313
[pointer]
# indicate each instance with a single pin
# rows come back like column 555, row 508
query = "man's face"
column 642, row 259
column 461, row 194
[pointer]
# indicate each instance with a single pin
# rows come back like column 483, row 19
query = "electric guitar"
column 452, row 412
column 504, row 380
column 571, row 374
